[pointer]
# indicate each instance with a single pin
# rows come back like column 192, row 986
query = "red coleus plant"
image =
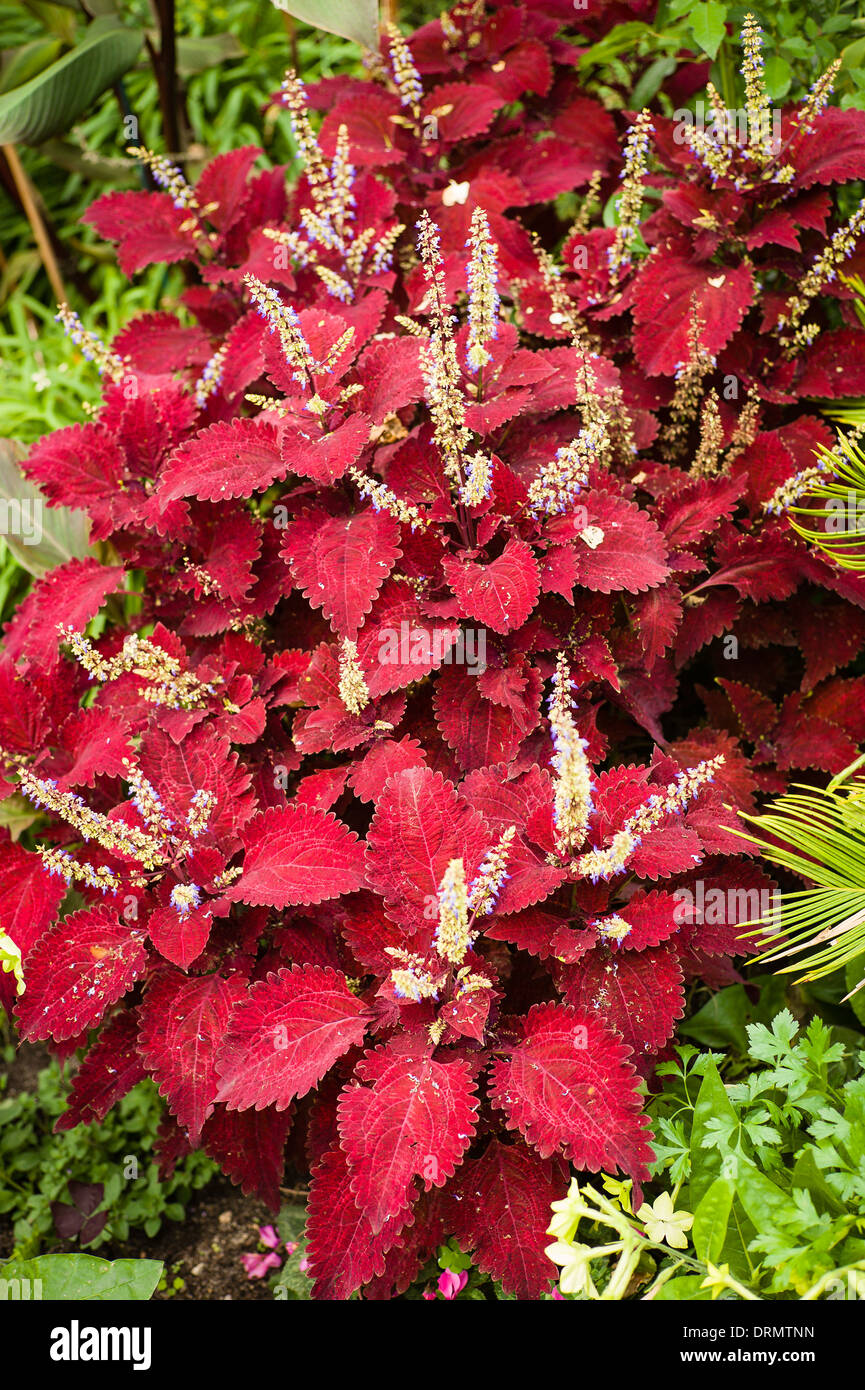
column 315, row 854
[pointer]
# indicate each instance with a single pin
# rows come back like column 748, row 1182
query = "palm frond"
column 835, row 492
column 818, row 834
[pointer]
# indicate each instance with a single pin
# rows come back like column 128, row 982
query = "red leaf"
column 652, row 918
column 147, row 226
column 462, row 110
column 503, row 1215
column 75, row 970
column 658, row 614
column 180, row 939
column 222, row 185
column 391, row 376
column 501, row 594
column 81, row 466
column 324, row 457
column 297, row 855
column 109, row 1071
column 29, row 895
column 834, row 151
column 73, row 593
column 229, row 459
column 479, row 731
column 385, row 759
column 662, row 308
column 567, row 1086
column 631, row 553
column 341, row 562
column 415, row 1119
column 94, row 744
column 183, row 1023
column 249, row 1146
column 285, row 1034
column 343, row 1250
column 524, row 68
column 639, row 993
column 420, row 825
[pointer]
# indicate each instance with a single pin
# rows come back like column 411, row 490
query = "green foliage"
column 51, row 101
column 773, row 1165
column 36, row 1164
column 837, row 499
column 801, row 40
column 818, row 834
column 84, row 1278
column 766, row 1195
column 353, row 19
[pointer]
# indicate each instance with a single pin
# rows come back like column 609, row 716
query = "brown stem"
column 27, row 194
column 165, row 69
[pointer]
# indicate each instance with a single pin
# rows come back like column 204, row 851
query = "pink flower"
column 429, row 1295
column 290, row 1247
column 269, row 1237
column 256, row 1266
column 451, row 1284
column 558, row 1296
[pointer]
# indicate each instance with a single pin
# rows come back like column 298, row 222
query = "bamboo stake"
column 27, row 194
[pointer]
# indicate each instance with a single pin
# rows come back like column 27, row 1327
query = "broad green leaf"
column 709, row 1231
column 197, row 53
column 40, row 537
column 683, row 1290
column 649, row 84
column 764, row 1202
column 778, row 76
column 84, row 1278
column 807, row 1176
column 853, row 56
column 16, row 815
column 721, row 1022
column 713, row 1103
column 707, row 26
column 29, row 60
column 351, row 19
column 54, row 100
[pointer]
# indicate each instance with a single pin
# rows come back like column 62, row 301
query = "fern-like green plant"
column 835, row 493
column 818, row 834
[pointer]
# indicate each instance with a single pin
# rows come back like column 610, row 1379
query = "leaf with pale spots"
column 75, row 971
column 568, row 1087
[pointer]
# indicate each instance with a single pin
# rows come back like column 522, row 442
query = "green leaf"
column 683, row 1290
column 197, row 53
column 707, row 26
column 54, row 100
column 854, row 976
column 807, row 1176
column 650, row 82
column 29, row 60
column 711, row 1219
column 765, row 1203
column 853, row 56
column 721, row 1022
column 51, row 535
column 16, row 815
column 778, row 76
column 86, row 1278
column 713, row 1103
column 351, row 19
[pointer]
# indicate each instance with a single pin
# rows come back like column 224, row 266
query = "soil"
column 203, row 1250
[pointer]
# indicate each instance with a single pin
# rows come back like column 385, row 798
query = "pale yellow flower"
column 662, row 1223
